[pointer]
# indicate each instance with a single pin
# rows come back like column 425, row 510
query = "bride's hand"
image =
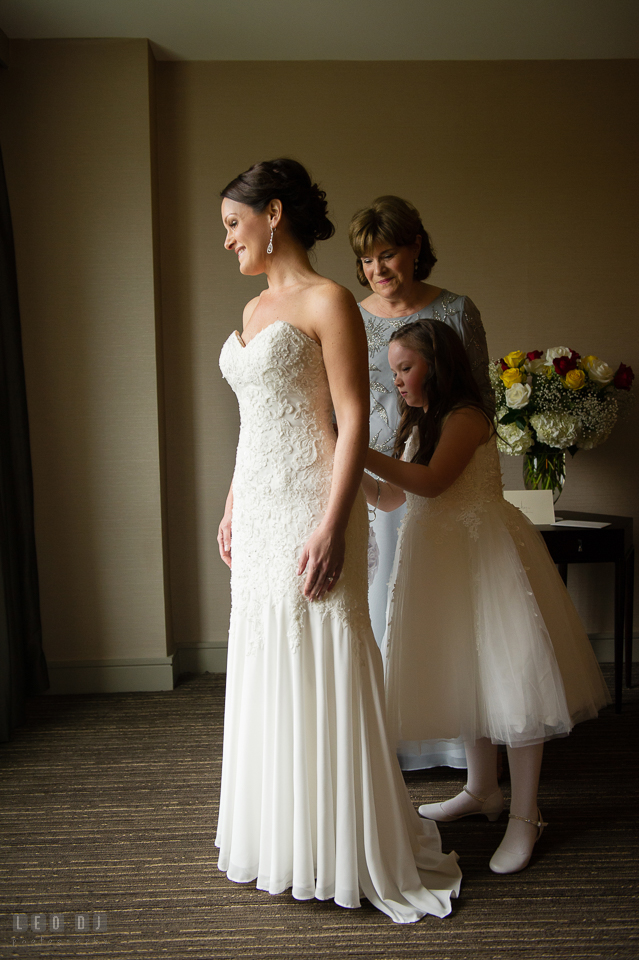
column 322, row 560
column 224, row 539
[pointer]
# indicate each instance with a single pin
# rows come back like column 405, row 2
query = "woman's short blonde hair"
column 395, row 221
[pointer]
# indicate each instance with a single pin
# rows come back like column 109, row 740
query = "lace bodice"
column 466, row 499
column 282, row 478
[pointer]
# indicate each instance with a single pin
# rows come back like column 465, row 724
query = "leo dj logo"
column 55, row 923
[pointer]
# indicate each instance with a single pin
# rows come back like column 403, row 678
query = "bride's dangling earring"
column 269, row 249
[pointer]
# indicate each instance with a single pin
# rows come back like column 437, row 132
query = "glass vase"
column 545, row 469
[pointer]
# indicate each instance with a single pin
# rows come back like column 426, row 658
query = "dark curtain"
column 23, row 669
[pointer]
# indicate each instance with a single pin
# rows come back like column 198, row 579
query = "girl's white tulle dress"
column 312, row 797
column 483, row 638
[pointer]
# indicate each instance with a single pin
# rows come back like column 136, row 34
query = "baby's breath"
column 556, row 415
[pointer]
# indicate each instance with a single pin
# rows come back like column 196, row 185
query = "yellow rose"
column 575, row 379
column 512, row 375
column 515, row 359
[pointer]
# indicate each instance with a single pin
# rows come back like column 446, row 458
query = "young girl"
column 483, row 642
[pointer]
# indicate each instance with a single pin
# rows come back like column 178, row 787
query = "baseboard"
column 211, row 657
column 604, row 646
column 160, row 673
column 207, row 657
column 111, row 676
column 135, row 674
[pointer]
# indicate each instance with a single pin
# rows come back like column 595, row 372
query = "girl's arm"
column 462, row 433
column 339, row 328
column 385, row 496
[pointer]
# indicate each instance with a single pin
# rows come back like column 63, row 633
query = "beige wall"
column 76, row 137
column 524, row 173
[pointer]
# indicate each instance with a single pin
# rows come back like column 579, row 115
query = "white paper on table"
column 594, row 524
column 537, row 505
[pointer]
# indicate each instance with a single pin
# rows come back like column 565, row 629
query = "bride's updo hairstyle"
column 395, row 222
column 303, row 203
column 449, row 384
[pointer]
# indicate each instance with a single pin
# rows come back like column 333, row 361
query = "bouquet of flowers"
column 547, row 403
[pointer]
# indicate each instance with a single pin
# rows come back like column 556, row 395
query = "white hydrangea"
column 518, row 395
column 512, row 440
column 555, row 429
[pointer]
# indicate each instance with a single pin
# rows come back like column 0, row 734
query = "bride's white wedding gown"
column 312, row 797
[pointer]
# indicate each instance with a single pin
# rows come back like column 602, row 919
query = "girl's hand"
column 224, row 539
column 322, row 560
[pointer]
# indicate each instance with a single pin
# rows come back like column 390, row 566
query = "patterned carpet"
column 109, row 808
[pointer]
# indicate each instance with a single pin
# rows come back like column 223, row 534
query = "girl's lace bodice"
column 282, row 478
column 466, row 499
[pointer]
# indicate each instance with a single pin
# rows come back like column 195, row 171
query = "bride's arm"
column 339, row 328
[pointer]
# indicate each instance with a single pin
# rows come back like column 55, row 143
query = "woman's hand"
column 224, row 530
column 322, row 560
column 224, row 539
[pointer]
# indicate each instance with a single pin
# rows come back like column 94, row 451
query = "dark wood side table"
column 611, row 544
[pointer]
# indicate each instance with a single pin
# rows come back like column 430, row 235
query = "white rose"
column 597, row 370
column 518, row 395
column 535, row 366
column 554, row 352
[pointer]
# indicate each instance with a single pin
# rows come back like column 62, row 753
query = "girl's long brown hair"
column 449, row 384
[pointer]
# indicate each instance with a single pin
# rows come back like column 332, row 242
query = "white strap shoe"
column 490, row 807
column 507, row 861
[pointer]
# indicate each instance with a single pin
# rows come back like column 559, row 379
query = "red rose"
column 534, row 355
column 623, row 377
column 504, row 365
column 564, row 364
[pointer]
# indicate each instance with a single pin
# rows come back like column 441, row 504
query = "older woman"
column 394, row 260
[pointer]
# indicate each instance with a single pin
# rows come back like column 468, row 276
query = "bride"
column 312, row 798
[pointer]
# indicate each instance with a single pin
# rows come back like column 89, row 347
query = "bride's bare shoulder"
column 327, row 294
column 334, row 316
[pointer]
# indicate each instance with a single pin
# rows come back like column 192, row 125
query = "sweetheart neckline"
column 244, row 346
